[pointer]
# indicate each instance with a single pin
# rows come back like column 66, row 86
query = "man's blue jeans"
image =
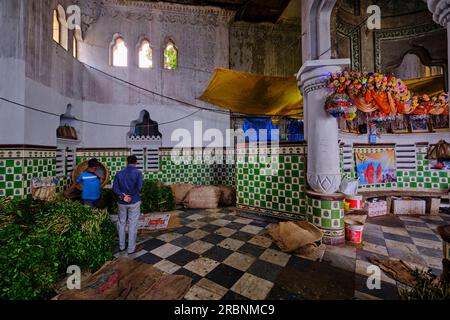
column 132, row 212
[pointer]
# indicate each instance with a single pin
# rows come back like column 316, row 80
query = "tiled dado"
column 19, row 166
column 193, row 167
column 424, row 177
column 197, row 166
column 115, row 160
column 271, row 181
column 327, row 213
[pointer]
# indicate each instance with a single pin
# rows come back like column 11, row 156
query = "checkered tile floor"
column 231, row 257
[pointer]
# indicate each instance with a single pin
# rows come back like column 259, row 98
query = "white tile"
column 220, row 222
column 251, row 229
column 239, row 261
column 199, row 247
column 201, row 266
column 275, row 257
column 197, row 234
column 252, row 287
column 231, row 244
column 169, row 236
column 167, row 266
column 165, row 250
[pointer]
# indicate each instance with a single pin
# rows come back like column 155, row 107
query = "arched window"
column 56, row 27
column 60, row 30
column 170, row 56
column 145, row 55
column 74, row 47
column 119, row 53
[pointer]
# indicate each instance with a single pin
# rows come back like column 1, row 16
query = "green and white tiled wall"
column 327, row 213
column 197, row 169
column 19, row 165
column 272, row 184
column 115, row 160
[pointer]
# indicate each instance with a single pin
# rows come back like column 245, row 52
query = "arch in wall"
column 77, row 36
column 382, row 50
column 63, row 33
column 118, row 51
column 144, row 126
column 425, row 61
column 170, row 54
column 67, row 125
column 144, row 51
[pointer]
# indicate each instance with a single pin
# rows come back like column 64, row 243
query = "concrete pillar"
column 323, row 167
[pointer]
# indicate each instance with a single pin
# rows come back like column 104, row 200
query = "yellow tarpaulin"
column 431, row 86
column 253, row 94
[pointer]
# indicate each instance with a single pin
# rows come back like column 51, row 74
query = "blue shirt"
column 91, row 185
column 128, row 181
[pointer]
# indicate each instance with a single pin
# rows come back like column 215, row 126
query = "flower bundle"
column 339, row 104
column 384, row 96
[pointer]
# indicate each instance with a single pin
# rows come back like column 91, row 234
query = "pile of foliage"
column 427, row 287
column 156, row 197
column 38, row 241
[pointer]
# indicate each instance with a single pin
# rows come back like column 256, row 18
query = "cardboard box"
column 409, row 206
column 375, row 209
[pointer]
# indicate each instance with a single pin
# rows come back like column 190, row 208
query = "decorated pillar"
column 323, row 167
column 324, row 205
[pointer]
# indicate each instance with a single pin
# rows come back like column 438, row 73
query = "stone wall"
column 265, row 48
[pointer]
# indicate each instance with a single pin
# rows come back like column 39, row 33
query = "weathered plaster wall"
column 405, row 27
column 12, row 72
column 47, row 77
column 265, row 48
column 201, row 36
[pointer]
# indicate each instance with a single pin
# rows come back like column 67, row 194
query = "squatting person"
column 90, row 181
column 127, row 186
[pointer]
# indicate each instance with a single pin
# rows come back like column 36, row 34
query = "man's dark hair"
column 132, row 160
column 92, row 163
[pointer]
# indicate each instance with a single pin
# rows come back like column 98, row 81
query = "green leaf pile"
column 38, row 241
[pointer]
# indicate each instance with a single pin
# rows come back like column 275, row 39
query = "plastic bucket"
column 353, row 231
column 354, row 202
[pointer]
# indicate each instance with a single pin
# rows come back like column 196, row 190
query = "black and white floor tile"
column 231, row 257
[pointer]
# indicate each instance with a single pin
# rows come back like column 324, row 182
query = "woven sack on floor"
column 204, row 197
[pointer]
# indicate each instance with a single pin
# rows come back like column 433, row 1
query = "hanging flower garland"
column 382, row 96
column 339, row 104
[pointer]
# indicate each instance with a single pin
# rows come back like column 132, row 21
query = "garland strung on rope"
column 382, row 96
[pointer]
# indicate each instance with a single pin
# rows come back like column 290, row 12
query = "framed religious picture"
column 400, row 124
column 353, row 126
column 419, row 125
column 440, row 123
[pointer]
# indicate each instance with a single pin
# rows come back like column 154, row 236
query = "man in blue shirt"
column 128, row 186
column 90, row 181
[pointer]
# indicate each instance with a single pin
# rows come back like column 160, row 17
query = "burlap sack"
column 128, row 279
column 227, row 196
column 204, row 197
column 295, row 236
column 105, row 284
column 180, row 191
